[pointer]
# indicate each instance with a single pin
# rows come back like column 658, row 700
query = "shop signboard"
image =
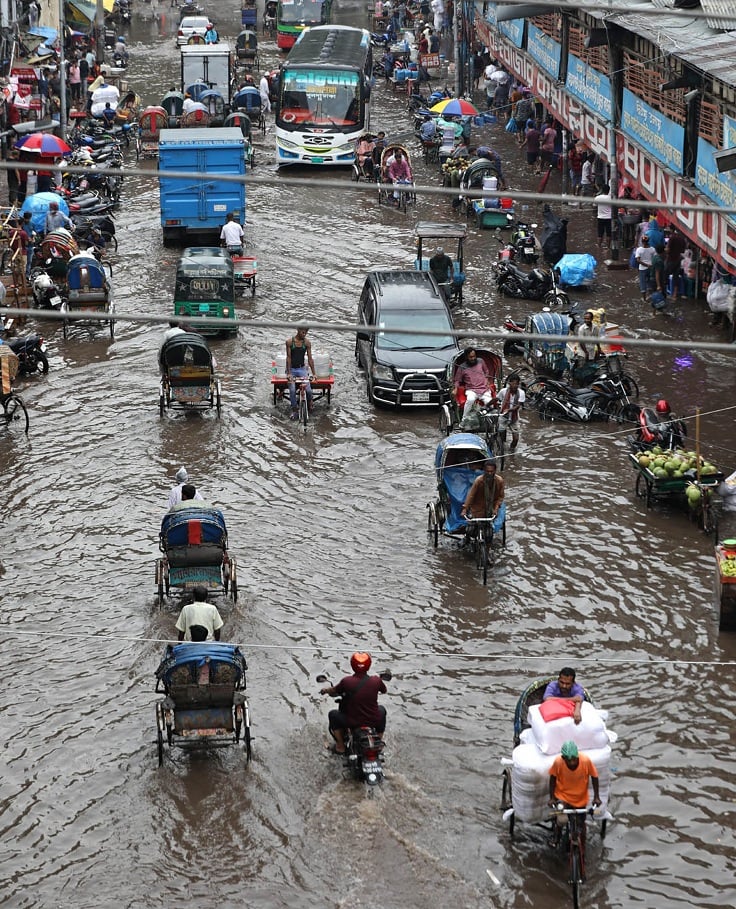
column 591, row 86
column 654, row 132
column 545, row 50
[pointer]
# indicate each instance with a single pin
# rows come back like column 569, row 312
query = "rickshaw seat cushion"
column 193, row 555
column 92, row 295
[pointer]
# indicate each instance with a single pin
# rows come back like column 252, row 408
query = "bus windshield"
column 313, row 98
column 297, row 12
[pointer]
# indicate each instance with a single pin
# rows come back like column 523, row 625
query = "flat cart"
column 205, row 703
column 445, row 235
column 245, row 270
column 695, row 492
column 322, row 384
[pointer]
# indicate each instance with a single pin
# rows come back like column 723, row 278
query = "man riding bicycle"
column 485, row 497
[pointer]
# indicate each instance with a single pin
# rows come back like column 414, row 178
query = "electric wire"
column 323, row 648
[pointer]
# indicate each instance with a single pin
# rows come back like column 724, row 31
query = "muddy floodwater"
column 328, row 527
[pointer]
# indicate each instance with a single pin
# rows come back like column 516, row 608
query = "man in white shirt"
column 587, row 178
column 644, row 256
column 605, row 217
column 231, row 235
column 199, row 615
column 264, row 90
column 510, row 402
column 182, row 478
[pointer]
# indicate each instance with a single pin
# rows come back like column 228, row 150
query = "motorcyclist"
column 121, row 49
column 211, row 36
column 660, row 425
column 359, row 705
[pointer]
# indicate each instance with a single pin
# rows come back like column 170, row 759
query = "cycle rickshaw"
column 188, row 377
column 248, row 99
column 240, row 120
column 246, row 49
column 152, row 120
column 386, row 189
column 455, row 233
column 483, row 419
column 540, row 728
column 458, row 462
column 193, row 542
column 88, row 289
column 205, row 703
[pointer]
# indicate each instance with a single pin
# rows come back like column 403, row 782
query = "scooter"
column 514, row 282
column 363, row 748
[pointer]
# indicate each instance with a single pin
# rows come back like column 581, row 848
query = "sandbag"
column 720, row 296
column 590, row 732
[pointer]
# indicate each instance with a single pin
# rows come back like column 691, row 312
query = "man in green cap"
column 569, row 776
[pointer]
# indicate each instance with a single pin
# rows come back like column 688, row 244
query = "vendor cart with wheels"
column 430, row 234
column 674, row 476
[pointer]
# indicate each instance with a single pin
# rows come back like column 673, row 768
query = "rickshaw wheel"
column 433, row 527
column 233, row 582
column 14, row 411
column 247, row 739
column 169, row 734
column 503, row 535
column 604, row 824
column 643, row 489
column 218, row 400
column 160, row 743
column 160, row 593
column 253, row 286
column 161, row 404
column 112, row 329
column 506, row 801
column 445, row 420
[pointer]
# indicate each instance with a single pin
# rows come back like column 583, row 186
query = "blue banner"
column 545, row 50
column 513, row 29
column 721, row 188
column 591, row 86
column 654, row 132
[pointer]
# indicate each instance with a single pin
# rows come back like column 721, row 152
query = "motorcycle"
column 525, row 242
column 363, row 748
column 384, row 39
column 31, row 353
column 536, row 284
column 46, row 294
column 652, row 430
column 555, row 400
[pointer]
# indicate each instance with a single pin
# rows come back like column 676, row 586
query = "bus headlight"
column 286, row 144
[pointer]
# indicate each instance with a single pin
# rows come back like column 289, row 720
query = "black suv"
column 405, row 368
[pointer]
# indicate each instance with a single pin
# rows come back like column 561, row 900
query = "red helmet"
column 360, row 662
column 662, row 406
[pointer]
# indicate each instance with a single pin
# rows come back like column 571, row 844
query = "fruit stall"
column 680, row 475
column 726, row 582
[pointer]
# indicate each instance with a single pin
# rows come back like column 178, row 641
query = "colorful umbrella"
column 455, row 107
column 45, row 144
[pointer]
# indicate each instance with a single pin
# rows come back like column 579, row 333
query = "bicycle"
column 14, row 411
column 569, row 832
column 302, row 383
column 495, row 437
column 480, row 534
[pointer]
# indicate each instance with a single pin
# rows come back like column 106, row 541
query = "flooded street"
column 329, row 531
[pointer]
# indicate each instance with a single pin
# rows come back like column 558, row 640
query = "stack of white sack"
column 541, row 744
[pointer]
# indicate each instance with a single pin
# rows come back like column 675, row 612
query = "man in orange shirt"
column 568, row 781
column 569, row 776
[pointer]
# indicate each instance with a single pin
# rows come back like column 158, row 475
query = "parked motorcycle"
column 46, row 295
column 524, row 242
column 555, row 400
column 363, row 748
column 536, row 284
column 31, row 353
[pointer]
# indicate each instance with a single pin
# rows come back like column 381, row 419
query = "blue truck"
column 196, row 209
